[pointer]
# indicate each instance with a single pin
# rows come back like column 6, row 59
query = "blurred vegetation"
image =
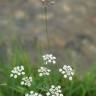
column 71, row 28
column 80, row 86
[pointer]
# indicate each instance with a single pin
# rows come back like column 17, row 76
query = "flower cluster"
column 67, row 71
column 26, row 81
column 32, row 93
column 43, row 71
column 43, row 0
column 49, row 58
column 54, row 91
column 51, row 1
column 17, row 71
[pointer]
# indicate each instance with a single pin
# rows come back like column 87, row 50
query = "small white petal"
column 70, row 78
column 54, row 62
column 11, row 75
column 65, row 76
column 22, row 83
column 40, row 74
column 15, row 76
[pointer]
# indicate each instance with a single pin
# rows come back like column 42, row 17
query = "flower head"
column 54, row 91
column 67, row 71
column 26, row 81
column 17, row 71
column 32, row 93
column 43, row 71
column 49, row 58
column 50, row 1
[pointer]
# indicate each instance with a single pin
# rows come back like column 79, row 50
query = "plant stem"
column 46, row 22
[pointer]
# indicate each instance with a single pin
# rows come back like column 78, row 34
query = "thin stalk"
column 46, row 23
column 12, row 90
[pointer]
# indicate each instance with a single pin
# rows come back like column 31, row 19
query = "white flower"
column 67, row 71
column 17, row 71
column 43, row 71
column 26, row 81
column 32, row 93
column 54, row 91
column 49, row 58
column 43, row 0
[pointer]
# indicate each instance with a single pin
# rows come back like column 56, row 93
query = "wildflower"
column 26, row 81
column 49, row 58
column 54, row 91
column 43, row 71
column 32, row 93
column 50, row 1
column 17, row 71
column 43, row 0
column 67, row 71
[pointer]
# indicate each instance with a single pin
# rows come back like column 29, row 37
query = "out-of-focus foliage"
column 79, row 86
column 71, row 29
